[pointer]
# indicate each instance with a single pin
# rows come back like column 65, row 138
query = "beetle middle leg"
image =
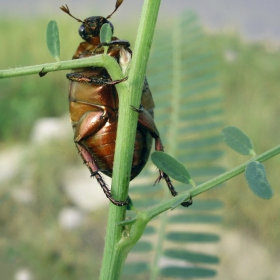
column 146, row 121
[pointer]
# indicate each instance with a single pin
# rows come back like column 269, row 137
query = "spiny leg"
column 146, row 121
column 168, row 182
column 187, row 203
column 159, row 147
column 123, row 43
column 107, row 191
column 94, row 170
column 80, row 78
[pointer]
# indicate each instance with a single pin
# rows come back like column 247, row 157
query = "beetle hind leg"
column 94, row 171
column 107, row 191
column 146, row 121
column 168, row 182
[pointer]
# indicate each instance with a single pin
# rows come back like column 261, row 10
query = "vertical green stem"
column 114, row 257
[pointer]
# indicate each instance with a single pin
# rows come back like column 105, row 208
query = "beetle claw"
column 187, row 203
column 42, row 73
column 140, row 110
column 124, row 43
column 115, row 82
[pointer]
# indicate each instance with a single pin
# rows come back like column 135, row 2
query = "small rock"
column 70, row 218
column 46, row 129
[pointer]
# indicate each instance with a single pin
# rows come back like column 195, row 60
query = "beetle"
column 93, row 106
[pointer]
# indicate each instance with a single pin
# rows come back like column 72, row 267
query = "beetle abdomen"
column 142, row 148
column 101, row 145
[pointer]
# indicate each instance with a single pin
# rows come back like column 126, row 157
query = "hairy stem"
column 98, row 60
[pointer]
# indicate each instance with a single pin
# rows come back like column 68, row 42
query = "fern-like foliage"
column 183, row 76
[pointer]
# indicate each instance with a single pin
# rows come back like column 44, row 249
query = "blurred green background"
column 33, row 238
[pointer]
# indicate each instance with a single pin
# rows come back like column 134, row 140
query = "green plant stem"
column 129, row 94
column 120, row 239
column 137, row 225
column 114, row 254
column 98, row 61
column 232, row 173
column 156, row 210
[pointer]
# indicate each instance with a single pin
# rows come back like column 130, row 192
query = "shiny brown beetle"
column 93, row 104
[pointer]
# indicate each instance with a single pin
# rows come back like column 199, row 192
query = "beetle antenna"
column 118, row 3
column 66, row 10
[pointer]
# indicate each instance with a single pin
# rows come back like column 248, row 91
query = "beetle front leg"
column 146, row 121
column 80, row 78
column 123, row 43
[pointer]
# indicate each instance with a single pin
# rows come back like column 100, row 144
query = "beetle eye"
column 82, row 31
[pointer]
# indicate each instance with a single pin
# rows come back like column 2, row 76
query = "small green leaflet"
column 106, row 35
column 256, row 178
column 52, row 38
column 238, row 140
column 171, row 166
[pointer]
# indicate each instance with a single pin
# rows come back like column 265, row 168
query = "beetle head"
column 91, row 27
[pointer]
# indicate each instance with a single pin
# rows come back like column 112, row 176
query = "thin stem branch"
column 157, row 209
column 97, row 60
column 144, row 217
column 233, row 172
